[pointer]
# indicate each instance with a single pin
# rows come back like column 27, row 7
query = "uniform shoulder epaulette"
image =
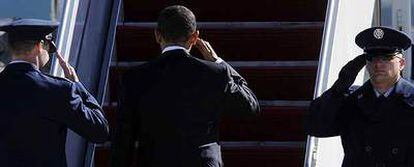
column 405, row 88
column 353, row 88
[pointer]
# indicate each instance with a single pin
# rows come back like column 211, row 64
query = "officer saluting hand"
column 375, row 121
column 36, row 109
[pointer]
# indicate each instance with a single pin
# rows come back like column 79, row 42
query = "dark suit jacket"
column 374, row 132
column 36, row 110
column 172, row 106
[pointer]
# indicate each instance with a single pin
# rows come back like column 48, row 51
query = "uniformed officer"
column 375, row 121
column 35, row 108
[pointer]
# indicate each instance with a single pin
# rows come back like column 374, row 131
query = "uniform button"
column 394, row 151
column 368, row 148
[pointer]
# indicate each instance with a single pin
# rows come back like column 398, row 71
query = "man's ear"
column 37, row 48
column 402, row 63
column 158, row 36
column 193, row 38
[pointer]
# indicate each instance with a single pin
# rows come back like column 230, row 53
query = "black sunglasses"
column 382, row 57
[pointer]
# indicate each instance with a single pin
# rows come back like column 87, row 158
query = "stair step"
column 268, row 83
column 235, row 25
column 264, row 157
column 285, row 103
column 236, row 64
column 218, row 10
column 242, row 154
column 288, row 83
column 277, row 123
column 232, row 44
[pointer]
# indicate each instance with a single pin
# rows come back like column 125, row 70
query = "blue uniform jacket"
column 35, row 111
column 374, row 131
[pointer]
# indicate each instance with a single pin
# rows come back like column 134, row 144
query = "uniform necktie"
column 381, row 99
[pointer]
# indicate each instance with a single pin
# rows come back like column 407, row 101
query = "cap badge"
column 378, row 33
column 49, row 37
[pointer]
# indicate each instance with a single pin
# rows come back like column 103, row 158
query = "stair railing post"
column 401, row 20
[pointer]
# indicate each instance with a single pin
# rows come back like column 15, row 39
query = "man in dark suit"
column 36, row 109
column 375, row 121
column 172, row 105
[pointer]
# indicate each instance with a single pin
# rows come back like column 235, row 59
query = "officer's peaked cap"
column 27, row 29
column 382, row 40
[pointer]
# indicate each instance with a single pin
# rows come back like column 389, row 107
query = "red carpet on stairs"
column 274, row 45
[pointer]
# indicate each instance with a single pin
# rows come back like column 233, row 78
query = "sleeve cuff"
column 218, row 60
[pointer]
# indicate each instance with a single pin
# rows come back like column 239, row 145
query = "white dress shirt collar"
column 22, row 61
column 19, row 61
column 174, row 47
column 386, row 94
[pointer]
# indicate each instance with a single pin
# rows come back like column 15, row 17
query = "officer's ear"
column 37, row 48
column 401, row 61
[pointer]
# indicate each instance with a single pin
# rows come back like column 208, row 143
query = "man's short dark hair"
column 176, row 23
column 22, row 47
